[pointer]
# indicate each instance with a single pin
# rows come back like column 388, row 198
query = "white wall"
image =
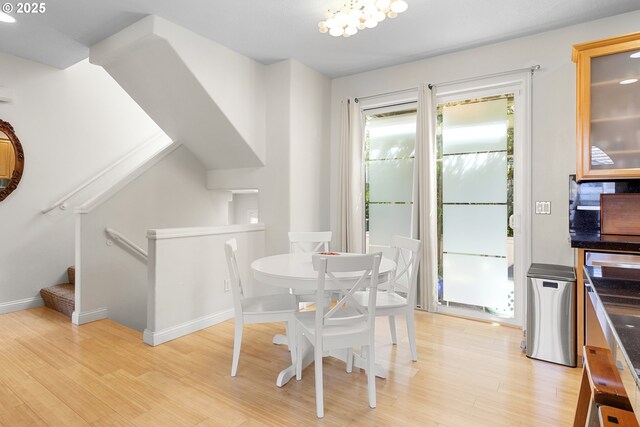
column 72, row 124
column 170, row 194
column 201, row 93
column 273, row 185
column 240, row 206
column 309, row 149
column 293, row 185
column 554, row 111
column 187, row 273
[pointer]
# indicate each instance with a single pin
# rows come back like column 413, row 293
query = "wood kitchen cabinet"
column 608, row 108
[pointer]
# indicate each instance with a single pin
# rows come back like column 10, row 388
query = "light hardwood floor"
column 101, row 374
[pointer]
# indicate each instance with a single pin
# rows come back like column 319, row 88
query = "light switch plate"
column 227, row 285
column 543, row 208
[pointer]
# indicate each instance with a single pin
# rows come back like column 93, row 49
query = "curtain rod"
column 409, row 89
column 531, row 69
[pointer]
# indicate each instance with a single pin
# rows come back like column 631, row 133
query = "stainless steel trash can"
column 551, row 314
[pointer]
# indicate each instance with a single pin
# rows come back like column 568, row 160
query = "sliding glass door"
column 390, row 135
column 475, row 205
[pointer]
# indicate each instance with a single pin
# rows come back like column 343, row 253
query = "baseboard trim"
column 156, row 338
column 89, row 316
column 21, row 304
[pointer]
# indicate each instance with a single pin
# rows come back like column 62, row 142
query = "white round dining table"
column 295, row 271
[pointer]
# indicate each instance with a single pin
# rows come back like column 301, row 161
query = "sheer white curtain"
column 351, row 202
column 424, row 216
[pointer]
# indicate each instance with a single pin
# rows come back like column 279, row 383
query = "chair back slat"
column 309, row 241
column 407, row 259
column 347, row 309
column 231, row 249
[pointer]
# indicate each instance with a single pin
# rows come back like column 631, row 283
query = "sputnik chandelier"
column 358, row 15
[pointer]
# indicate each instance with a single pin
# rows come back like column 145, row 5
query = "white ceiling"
column 272, row 30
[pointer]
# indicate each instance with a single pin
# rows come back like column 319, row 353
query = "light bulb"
column 350, row 30
column 331, row 23
column 370, row 23
column 328, row 14
column 336, row 31
column 323, row 29
column 322, row 24
column 379, row 16
column 628, row 81
column 369, row 9
column 360, row 26
column 383, row 4
column 341, row 18
column 7, row 18
column 399, row 6
column 392, row 14
column 345, row 35
column 355, row 14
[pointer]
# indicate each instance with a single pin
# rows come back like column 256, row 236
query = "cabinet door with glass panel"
column 608, row 108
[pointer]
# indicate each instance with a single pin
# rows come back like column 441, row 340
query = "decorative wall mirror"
column 11, row 160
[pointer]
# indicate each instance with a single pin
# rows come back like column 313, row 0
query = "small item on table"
column 329, row 253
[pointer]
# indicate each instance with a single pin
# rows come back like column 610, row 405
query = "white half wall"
column 187, row 274
column 554, row 112
column 72, row 124
column 170, row 194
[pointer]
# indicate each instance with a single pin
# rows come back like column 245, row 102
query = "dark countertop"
column 618, row 289
column 608, row 242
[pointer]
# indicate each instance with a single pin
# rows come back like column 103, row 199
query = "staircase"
column 61, row 297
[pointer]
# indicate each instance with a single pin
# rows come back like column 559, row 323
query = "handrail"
column 128, row 243
column 61, row 203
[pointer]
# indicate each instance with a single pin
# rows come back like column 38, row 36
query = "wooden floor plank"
column 102, row 374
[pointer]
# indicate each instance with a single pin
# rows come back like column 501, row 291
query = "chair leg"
column 319, row 389
column 291, row 334
column 411, row 332
column 371, row 376
column 584, row 401
column 288, row 334
column 392, row 328
column 299, row 343
column 349, row 360
column 237, row 342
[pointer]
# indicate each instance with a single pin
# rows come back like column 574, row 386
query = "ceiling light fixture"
column 7, row 18
column 358, row 15
column 628, row 81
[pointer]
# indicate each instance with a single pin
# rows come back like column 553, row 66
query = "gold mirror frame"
column 19, row 155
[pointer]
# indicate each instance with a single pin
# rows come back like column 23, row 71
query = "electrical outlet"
column 227, row 285
column 543, row 208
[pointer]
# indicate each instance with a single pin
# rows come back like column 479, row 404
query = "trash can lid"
column 552, row 271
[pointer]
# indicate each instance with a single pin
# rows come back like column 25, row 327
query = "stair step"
column 71, row 274
column 60, row 298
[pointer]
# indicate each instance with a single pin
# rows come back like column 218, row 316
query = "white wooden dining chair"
column 259, row 309
column 304, row 242
column 345, row 324
column 309, row 241
column 400, row 295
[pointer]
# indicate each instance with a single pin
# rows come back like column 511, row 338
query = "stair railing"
column 62, row 202
column 115, row 236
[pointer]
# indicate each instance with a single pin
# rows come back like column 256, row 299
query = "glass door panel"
column 475, row 200
column 389, row 155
